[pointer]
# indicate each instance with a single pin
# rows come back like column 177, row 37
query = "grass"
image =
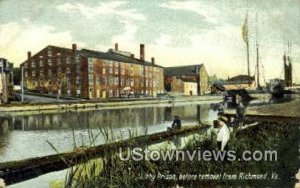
column 110, row 171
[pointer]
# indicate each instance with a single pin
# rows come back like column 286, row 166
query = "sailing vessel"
column 277, row 86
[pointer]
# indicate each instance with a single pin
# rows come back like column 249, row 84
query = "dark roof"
column 110, row 55
column 190, row 70
column 188, row 79
column 219, row 85
column 242, row 78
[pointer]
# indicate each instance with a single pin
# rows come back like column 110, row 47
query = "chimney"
column 142, row 52
column 116, row 47
column 74, row 48
column 132, row 55
column 29, row 55
column 153, row 60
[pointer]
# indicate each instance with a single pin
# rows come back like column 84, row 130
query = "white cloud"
column 111, row 8
column 163, row 40
column 210, row 13
column 18, row 38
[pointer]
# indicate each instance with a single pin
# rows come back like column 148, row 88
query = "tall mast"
column 257, row 52
column 245, row 33
column 248, row 59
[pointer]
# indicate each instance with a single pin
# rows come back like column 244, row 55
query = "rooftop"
column 189, row 70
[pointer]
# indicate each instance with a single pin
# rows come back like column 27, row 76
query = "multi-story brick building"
column 92, row 74
column 6, row 80
column 195, row 73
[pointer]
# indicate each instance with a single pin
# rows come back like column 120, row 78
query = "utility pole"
column 257, row 65
column 4, row 95
column 22, row 83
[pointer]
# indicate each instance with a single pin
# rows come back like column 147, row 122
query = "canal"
column 24, row 136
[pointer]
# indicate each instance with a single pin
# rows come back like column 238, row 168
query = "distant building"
column 92, row 74
column 236, row 82
column 182, row 86
column 6, row 80
column 197, row 73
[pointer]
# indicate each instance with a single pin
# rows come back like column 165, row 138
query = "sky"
column 174, row 32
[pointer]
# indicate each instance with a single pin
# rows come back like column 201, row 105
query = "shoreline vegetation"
column 110, row 171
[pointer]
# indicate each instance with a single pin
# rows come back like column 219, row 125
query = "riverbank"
column 285, row 109
column 101, row 104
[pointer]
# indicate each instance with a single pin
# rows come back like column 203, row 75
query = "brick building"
column 196, row 73
column 6, row 80
column 181, row 86
column 92, row 74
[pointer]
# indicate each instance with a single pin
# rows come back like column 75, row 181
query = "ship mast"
column 257, row 54
column 245, row 34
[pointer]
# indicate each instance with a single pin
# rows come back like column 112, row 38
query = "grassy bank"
column 110, row 171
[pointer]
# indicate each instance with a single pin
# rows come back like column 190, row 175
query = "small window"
column 68, row 60
column 33, row 64
column 50, row 62
column 116, row 81
column 49, row 52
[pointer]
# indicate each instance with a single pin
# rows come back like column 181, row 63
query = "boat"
column 277, row 87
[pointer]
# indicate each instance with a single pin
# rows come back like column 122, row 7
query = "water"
column 25, row 136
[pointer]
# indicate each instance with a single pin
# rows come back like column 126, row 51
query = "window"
column 33, row 64
column 78, row 68
column 104, row 80
column 41, row 73
column 127, row 82
column 104, row 70
column 77, row 59
column 91, row 79
column 50, row 62
column 41, row 63
column 98, row 80
column 116, row 70
column 122, row 81
column 59, row 71
column 58, row 54
column 26, row 65
column 116, row 93
column 26, row 74
column 90, row 68
column 110, row 93
column 50, row 72
column 68, row 70
column 33, row 73
column 58, row 61
column 122, row 71
column 131, row 82
column 49, row 52
column 110, row 70
column 116, row 81
column 77, row 79
column 110, row 80
column 131, row 72
column 68, row 80
column 68, row 60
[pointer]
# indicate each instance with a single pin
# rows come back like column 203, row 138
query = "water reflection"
column 24, row 136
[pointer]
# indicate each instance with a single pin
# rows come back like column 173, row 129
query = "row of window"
column 49, row 62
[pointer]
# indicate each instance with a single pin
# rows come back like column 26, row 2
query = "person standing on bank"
column 223, row 134
column 176, row 124
column 240, row 111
